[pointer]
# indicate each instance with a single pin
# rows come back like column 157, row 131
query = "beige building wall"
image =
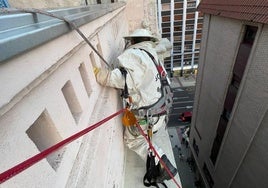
column 214, row 72
column 142, row 14
column 241, row 160
column 53, row 86
column 245, row 143
column 50, row 93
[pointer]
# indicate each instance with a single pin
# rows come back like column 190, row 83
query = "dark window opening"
column 230, row 99
column 196, row 148
column 208, row 176
column 250, row 34
column 244, row 51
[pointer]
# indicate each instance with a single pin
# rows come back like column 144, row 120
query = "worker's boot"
column 163, row 174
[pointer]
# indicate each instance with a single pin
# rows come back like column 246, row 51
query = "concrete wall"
column 214, row 73
column 50, row 93
column 243, row 144
column 142, row 14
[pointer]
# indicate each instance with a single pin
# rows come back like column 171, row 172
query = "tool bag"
column 152, row 172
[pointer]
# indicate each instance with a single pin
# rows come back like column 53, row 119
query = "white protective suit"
column 144, row 87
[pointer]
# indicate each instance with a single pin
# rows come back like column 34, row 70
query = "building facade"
column 229, row 125
column 181, row 23
column 49, row 93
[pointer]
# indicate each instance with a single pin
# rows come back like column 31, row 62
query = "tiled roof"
column 250, row 10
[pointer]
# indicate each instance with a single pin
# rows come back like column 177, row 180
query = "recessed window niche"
column 72, row 101
column 44, row 134
column 85, row 78
column 92, row 59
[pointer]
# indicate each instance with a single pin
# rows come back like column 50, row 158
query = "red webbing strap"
column 155, row 152
column 29, row 162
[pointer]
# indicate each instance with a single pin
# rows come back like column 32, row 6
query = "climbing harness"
column 164, row 103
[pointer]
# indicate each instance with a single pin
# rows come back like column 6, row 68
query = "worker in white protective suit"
column 140, row 61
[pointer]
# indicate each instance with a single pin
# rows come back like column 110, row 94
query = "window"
column 244, row 52
column 196, row 148
column 192, row 5
column 189, row 27
column 44, row 135
column 208, row 176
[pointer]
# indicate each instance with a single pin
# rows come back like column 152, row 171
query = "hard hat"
column 141, row 33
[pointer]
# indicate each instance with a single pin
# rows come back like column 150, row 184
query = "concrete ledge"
column 26, row 28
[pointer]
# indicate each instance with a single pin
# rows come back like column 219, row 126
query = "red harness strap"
column 31, row 161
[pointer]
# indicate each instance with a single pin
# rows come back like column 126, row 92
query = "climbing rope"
column 31, row 161
column 39, row 11
column 156, row 154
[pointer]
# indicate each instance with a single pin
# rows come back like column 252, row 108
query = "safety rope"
column 156, row 153
column 39, row 11
column 31, row 161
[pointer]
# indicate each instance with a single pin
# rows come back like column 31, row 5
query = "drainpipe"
column 194, row 37
column 183, row 33
column 171, row 34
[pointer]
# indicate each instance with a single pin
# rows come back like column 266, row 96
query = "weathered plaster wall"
column 53, row 89
column 142, row 14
